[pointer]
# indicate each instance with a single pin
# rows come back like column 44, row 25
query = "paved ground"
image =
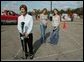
column 69, row 46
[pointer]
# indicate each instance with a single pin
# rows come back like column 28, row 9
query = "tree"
column 62, row 11
column 79, row 11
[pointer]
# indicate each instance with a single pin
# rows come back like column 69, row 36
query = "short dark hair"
column 23, row 6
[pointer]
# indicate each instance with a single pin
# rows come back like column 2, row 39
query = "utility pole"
column 51, row 5
column 50, row 10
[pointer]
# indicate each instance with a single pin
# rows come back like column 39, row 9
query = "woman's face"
column 44, row 11
column 33, row 11
column 55, row 11
column 23, row 12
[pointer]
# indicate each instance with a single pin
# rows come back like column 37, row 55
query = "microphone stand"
column 23, row 38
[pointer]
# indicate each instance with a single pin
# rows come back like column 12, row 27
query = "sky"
column 14, row 5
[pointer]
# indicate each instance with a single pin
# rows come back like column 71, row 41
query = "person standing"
column 43, row 24
column 27, row 21
column 34, row 14
column 54, row 36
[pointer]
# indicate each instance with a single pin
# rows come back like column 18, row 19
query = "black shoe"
column 26, row 57
column 27, row 54
column 31, row 56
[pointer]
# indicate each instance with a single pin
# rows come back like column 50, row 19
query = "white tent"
column 76, row 15
column 65, row 17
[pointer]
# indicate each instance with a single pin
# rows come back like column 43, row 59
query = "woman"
column 43, row 24
column 34, row 15
column 55, row 27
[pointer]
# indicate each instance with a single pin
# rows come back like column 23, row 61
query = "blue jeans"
column 54, row 37
column 43, row 29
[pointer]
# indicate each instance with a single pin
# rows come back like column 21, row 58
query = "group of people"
column 55, row 25
column 25, row 27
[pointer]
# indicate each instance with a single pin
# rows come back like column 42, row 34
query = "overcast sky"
column 14, row 5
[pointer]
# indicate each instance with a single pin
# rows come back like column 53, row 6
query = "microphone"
column 22, row 26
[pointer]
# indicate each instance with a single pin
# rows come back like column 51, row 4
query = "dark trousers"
column 27, row 42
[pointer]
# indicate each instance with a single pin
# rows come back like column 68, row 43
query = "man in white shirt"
column 26, row 35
